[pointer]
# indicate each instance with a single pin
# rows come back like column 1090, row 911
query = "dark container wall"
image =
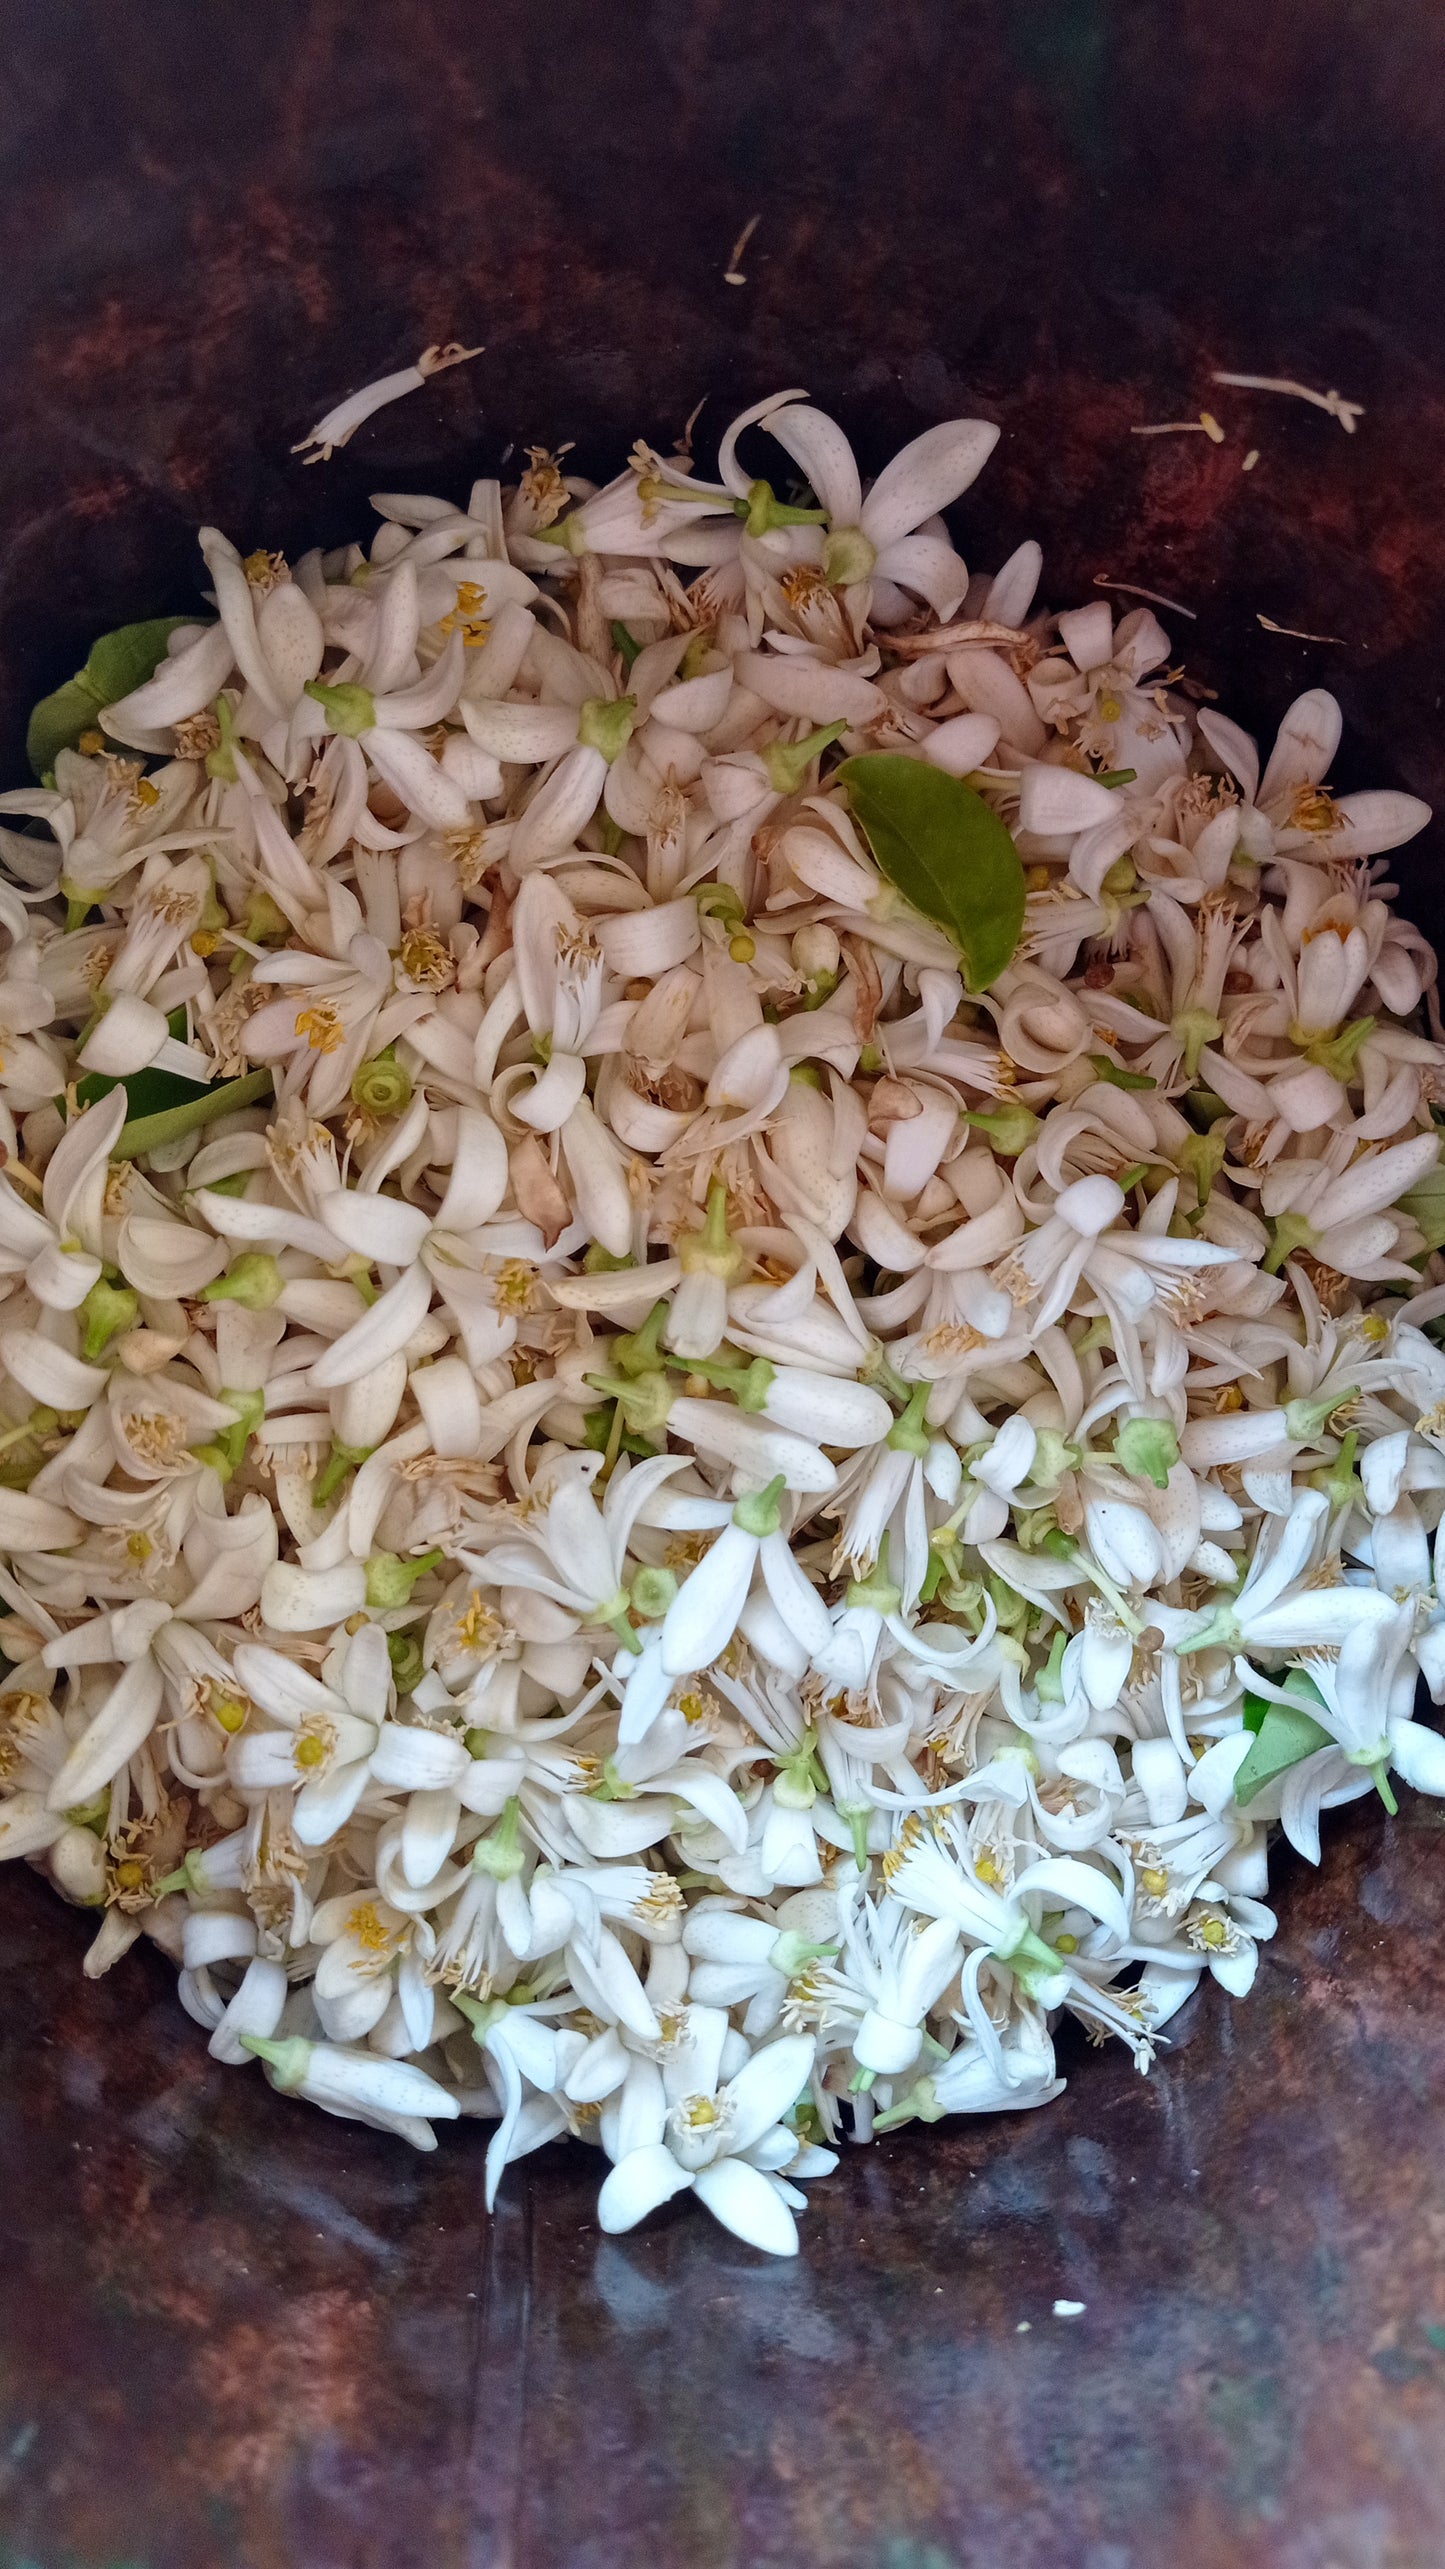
column 233, row 2333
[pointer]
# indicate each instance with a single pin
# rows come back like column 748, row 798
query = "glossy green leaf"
column 1286, row 1734
column 118, row 662
column 941, row 846
column 150, row 1092
column 203, row 1106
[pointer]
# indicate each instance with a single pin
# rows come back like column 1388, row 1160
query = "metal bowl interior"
column 233, row 2334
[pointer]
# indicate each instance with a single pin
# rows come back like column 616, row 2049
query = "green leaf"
column 149, row 1091
column 118, row 662
column 203, row 1106
column 941, row 846
column 1285, row 1735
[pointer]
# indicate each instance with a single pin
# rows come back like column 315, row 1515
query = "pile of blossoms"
column 720, row 1342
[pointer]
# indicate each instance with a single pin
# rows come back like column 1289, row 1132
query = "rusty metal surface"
column 233, row 2335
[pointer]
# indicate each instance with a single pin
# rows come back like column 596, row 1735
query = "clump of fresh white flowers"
column 720, row 1328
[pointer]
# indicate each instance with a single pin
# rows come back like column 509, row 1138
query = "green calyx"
column 788, row 761
column 1339, row 1480
column 848, row 557
column 748, row 1384
column 255, row 1281
column 1289, row 1233
column 1336, row 1051
column 390, row 1580
column 653, row 1591
column 760, row 1512
column 1036, row 1966
column 640, row 1352
column 602, row 1262
column 1116, row 776
column 1114, row 1075
column 1192, row 1029
column 605, row 723
column 711, row 1251
column 1202, row 1158
column 1303, row 1419
column 341, row 1460
column 1010, row 1129
column 908, row 1434
column 920, row 2105
column 1148, row 1448
column 644, row 1403
column 761, row 512
column 190, row 1875
column 382, row 1086
column 288, row 2061
column 791, row 1953
column 613, row 1787
column 878, row 1590
column 501, row 1852
column 799, row 1778
column 107, row 1311
column 226, row 1452
column 349, row 709
column 614, row 1612
column 624, row 643
column 220, row 761
column 1049, row 1683
column 265, row 924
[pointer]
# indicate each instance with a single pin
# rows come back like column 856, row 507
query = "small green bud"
column 501, row 1852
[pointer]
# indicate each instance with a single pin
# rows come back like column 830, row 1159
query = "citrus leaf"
column 941, row 846
column 1286, row 1734
column 149, row 1091
column 204, row 1105
column 118, row 662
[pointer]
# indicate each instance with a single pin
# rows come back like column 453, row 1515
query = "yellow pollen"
column 1155, row 1881
column 1066, row 1944
column 367, row 1926
column 1038, row 878
column 1110, row 709
column 700, row 2113
column 131, row 1875
column 139, row 1547
column 321, row 1027
column 987, row 1870
column 1375, row 1329
column 1228, row 1401
column 1214, row 1933
column 230, row 1714
column 91, row 743
column 425, row 959
column 310, row 1751
column 147, row 793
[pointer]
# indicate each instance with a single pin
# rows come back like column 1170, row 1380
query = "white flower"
column 720, row 2141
